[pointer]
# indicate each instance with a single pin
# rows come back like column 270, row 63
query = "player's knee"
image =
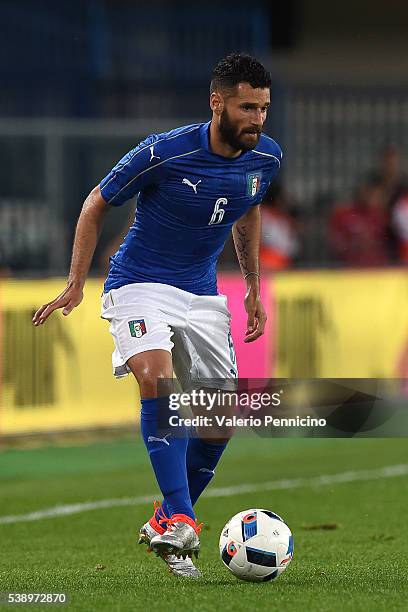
column 151, row 381
column 151, row 371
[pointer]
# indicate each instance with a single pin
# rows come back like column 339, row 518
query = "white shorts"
column 195, row 329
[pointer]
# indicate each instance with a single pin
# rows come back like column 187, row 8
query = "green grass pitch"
column 360, row 564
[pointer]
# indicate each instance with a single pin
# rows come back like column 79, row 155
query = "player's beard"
column 233, row 137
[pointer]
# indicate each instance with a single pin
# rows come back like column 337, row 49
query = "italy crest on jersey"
column 137, row 328
column 253, row 184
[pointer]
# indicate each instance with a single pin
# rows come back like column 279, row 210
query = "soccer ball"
column 256, row 545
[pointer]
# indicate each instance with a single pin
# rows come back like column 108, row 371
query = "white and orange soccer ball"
column 256, row 545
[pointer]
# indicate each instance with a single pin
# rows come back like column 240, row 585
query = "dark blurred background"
column 83, row 82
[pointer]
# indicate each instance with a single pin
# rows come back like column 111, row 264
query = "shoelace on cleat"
column 158, row 508
column 176, row 519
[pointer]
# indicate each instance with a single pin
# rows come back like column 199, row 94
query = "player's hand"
column 256, row 315
column 68, row 300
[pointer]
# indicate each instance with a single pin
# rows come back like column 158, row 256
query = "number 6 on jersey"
column 218, row 213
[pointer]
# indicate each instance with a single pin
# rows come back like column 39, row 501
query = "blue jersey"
column 188, row 200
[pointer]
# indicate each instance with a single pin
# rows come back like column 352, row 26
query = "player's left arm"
column 246, row 233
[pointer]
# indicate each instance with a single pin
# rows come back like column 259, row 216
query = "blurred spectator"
column 400, row 225
column 279, row 238
column 358, row 229
column 393, row 181
column 390, row 175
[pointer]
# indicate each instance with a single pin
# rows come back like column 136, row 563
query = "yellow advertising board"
column 59, row 375
column 341, row 324
column 322, row 324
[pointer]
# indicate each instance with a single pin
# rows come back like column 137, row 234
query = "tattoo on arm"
column 241, row 244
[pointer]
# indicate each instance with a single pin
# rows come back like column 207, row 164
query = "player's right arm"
column 135, row 171
column 86, row 237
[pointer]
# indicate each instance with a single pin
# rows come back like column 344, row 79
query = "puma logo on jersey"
column 152, row 155
column 153, row 439
column 190, row 184
column 206, row 470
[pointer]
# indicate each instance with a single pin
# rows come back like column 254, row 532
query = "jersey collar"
column 204, row 136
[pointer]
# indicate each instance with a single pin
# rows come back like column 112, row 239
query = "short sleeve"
column 132, row 173
column 269, row 175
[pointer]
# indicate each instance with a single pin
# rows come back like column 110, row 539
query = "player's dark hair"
column 239, row 68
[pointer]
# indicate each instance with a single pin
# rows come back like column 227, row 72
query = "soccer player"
column 193, row 185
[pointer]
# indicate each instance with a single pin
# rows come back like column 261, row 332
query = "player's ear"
column 216, row 102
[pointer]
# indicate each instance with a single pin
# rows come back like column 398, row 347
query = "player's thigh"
column 204, row 358
column 184, row 359
column 142, row 341
column 186, row 365
column 209, row 332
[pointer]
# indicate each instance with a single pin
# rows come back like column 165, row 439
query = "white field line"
column 390, row 471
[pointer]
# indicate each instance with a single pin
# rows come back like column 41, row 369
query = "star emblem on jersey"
column 253, row 184
column 137, row 328
column 186, row 181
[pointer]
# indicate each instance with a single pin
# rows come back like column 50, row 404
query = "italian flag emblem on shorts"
column 137, row 328
column 253, row 184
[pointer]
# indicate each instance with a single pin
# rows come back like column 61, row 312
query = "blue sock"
column 167, row 454
column 202, row 457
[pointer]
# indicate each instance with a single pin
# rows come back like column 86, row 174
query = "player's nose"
column 258, row 118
